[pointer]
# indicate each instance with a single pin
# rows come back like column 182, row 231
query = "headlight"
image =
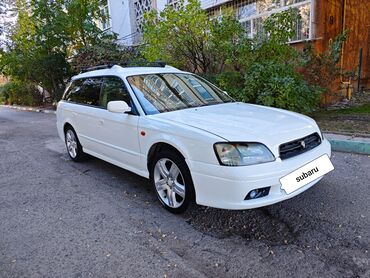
column 242, row 154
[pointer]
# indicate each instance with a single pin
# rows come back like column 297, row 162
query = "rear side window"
column 85, row 91
column 114, row 89
column 90, row 91
column 73, row 90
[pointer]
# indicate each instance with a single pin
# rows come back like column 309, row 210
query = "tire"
column 172, row 182
column 74, row 148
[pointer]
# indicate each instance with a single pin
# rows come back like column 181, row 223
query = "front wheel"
column 172, row 181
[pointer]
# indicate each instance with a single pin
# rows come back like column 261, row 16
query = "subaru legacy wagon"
column 191, row 139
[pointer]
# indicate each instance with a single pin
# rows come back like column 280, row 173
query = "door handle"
column 74, row 114
column 101, row 122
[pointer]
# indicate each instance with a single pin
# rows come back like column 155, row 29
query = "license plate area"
column 306, row 174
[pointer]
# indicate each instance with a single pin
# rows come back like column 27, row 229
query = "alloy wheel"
column 169, row 183
column 71, row 142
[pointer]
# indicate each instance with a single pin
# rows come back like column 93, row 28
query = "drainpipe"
column 359, row 72
column 343, row 23
column 344, row 2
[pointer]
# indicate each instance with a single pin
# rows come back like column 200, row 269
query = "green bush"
column 21, row 93
column 2, row 95
column 233, row 83
column 265, row 69
column 278, row 84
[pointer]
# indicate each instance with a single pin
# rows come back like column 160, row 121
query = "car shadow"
column 279, row 224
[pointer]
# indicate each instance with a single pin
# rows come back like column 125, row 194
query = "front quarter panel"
column 194, row 144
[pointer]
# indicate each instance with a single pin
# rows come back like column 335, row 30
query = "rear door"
column 84, row 106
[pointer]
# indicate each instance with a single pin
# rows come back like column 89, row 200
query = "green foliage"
column 278, row 84
column 81, row 26
column 262, row 70
column 233, row 83
column 21, row 93
column 363, row 109
column 280, row 27
column 268, row 74
column 179, row 37
column 53, row 39
column 229, row 46
column 45, row 35
column 188, row 39
column 355, row 110
column 104, row 52
column 3, row 97
column 265, row 70
column 322, row 69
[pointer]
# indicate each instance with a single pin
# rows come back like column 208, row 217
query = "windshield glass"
column 166, row 92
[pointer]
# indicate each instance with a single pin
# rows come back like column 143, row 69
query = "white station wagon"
column 190, row 138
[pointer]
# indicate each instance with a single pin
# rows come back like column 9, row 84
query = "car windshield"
column 166, row 92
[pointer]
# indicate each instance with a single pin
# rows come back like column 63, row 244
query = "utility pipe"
column 344, row 5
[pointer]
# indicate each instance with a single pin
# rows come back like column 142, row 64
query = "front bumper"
column 226, row 187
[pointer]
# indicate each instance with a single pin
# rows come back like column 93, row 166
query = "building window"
column 174, row 3
column 105, row 22
column 252, row 13
column 215, row 13
column 141, row 7
column 303, row 23
column 245, row 10
column 265, row 6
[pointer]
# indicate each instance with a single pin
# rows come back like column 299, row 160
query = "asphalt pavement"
column 92, row 219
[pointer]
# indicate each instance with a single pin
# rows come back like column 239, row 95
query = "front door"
column 117, row 133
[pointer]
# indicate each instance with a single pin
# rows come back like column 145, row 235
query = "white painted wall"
column 119, row 12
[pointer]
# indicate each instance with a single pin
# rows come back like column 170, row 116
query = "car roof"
column 126, row 71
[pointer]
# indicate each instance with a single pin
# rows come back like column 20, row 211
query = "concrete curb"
column 32, row 109
column 345, row 143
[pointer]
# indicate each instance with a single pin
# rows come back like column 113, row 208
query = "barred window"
column 252, row 13
column 174, row 3
column 141, row 7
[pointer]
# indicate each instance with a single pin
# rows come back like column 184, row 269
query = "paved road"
column 92, row 219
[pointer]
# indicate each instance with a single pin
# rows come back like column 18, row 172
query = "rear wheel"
column 73, row 145
column 172, row 181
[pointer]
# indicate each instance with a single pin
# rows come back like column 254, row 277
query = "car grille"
column 299, row 146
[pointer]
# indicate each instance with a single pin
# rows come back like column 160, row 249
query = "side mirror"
column 118, row 106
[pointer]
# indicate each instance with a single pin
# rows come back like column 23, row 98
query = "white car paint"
column 117, row 138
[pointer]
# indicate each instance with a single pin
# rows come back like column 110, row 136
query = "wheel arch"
column 161, row 145
column 66, row 125
column 157, row 147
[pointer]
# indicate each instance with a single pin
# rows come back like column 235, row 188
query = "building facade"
column 126, row 16
column 320, row 22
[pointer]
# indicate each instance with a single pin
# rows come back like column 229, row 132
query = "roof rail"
column 140, row 63
column 107, row 66
column 159, row 64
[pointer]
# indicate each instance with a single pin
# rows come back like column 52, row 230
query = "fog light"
column 253, row 194
column 257, row 193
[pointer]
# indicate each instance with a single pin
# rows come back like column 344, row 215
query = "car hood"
column 245, row 122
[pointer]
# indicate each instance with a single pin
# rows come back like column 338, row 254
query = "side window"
column 90, row 91
column 84, row 91
column 73, row 91
column 114, row 89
